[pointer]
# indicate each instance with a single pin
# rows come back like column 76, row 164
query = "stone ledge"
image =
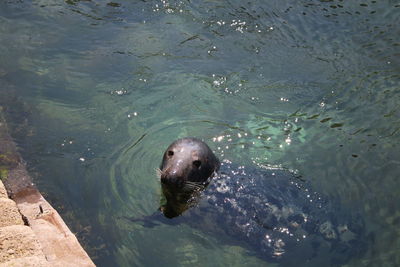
column 33, row 261
column 9, row 208
column 18, row 241
column 59, row 244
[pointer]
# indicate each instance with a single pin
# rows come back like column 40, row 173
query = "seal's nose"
column 172, row 180
column 172, row 175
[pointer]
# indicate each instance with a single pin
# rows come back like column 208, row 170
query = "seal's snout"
column 171, row 175
column 172, row 180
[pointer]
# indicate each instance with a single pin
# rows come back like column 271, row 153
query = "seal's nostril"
column 197, row 163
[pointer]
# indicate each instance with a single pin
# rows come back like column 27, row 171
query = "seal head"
column 188, row 161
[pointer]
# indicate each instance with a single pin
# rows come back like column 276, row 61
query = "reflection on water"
column 96, row 90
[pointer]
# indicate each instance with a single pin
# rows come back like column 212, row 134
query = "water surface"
column 96, row 90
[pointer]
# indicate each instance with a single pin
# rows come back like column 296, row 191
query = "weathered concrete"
column 11, row 212
column 47, row 240
column 18, row 241
column 59, row 245
column 33, row 261
column 3, row 192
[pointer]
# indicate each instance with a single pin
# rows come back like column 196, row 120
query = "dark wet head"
column 187, row 161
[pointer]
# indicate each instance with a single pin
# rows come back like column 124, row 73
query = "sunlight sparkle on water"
column 288, row 140
column 132, row 114
column 219, row 138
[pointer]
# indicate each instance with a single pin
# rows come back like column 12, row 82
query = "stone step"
column 13, row 217
column 18, row 241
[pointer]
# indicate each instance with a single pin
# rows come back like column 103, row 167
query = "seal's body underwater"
column 270, row 210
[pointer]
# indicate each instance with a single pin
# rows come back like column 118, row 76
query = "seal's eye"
column 170, row 153
column 197, row 163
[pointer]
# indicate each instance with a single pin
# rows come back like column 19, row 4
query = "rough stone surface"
column 18, row 241
column 33, row 261
column 3, row 192
column 9, row 208
column 59, row 244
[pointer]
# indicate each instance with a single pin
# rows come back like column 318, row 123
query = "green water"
column 96, row 90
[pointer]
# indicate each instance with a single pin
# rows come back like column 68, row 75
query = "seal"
column 186, row 169
column 188, row 160
column 271, row 211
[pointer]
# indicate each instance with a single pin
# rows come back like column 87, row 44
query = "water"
column 96, row 90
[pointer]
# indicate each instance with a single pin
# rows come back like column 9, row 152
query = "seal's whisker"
column 190, row 188
column 158, row 173
column 189, row 184
column 193, row 185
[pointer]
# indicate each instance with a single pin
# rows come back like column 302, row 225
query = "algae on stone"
column 3, row 173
